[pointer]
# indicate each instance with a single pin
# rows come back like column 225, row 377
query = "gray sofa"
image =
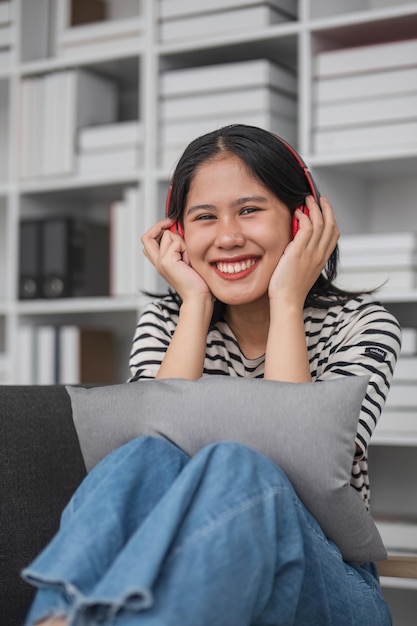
column 40, row 467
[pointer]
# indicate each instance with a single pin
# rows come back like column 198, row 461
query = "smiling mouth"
column 234, row 268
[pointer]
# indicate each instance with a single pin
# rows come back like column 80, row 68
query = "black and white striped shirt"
column 357, row 338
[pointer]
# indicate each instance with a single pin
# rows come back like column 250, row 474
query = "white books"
column 360, row 86
column 176, row 136
column 233, row 21
column 84, row 355
column 45, row 369
column 53, row 108
column 116, row 135
column 50, row 159
column 222, row 76
column 366, row 261
column 385, row 279
column 124, row 159
column 366, row 58
column 399, row 422
column 5, row 12
column 402, row 395
column 374, row 243
column 182, row 132
column 26, row 352
column 126, row 227
column 69, row 355
column 400, row 135
column 370, row 111
column 37, row 130
column 231, row 101
column 176, row 8
column 398, row 534
column 408, row 341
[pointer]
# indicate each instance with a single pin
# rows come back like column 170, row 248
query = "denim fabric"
column 155, row 538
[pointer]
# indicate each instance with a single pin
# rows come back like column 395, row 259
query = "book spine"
column 366, row 58
column 236, row 101
column 169, row 9
column 194, row 27
column 359, row 86
column 390, row 135
column 370, row 111
column 227, row 76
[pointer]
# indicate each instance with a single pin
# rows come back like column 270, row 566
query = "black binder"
column 75, row 258
column 30, row 261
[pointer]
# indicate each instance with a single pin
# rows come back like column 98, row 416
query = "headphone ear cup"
column 295, row 224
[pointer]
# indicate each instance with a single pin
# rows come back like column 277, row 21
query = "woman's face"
column 236, row 230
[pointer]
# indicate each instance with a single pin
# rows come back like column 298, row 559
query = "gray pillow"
column 306, row 428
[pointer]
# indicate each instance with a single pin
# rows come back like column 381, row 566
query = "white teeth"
column 234, row 268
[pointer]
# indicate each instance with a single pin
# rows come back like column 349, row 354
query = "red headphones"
column 178, row 228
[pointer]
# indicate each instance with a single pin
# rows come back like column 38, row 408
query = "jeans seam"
column 226, row 517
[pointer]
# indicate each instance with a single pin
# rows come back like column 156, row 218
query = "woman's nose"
column 229, row 234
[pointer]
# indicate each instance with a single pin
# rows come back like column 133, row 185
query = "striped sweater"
column 357, row 338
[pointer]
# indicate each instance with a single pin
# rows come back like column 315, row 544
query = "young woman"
column 154, row 537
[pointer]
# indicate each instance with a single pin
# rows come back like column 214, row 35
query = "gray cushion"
column 306, row 428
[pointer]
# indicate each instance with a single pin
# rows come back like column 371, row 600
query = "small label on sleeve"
column 376, row 353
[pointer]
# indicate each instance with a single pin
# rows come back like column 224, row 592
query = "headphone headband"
column 304, row 167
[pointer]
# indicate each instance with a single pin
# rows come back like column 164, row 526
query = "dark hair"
column 271, row 161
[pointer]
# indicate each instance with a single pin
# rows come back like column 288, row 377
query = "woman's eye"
column 249, row 209
column 204, row 216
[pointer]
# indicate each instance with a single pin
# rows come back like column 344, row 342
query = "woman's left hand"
column 306, row 255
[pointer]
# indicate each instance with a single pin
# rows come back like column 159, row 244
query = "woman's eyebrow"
column 199, row 207
column 247, row 199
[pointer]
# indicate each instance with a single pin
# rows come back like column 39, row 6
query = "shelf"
column 399, row 583
column 80, row 305
column 55, row 64
column 98, row 187
column 369, row 165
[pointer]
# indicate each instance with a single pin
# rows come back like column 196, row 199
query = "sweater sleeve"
column 151, row 339
column 366, row 341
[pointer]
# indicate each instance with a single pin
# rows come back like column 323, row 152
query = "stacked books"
column 126, row 228
column 67, row 355
column 197, row 100
column 365, row 98
column 181, row 20
column 387, row 261
column 7, row 34
column 398, row 420
column 53, row 107
column 110, row 148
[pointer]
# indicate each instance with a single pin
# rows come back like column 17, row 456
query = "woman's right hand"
column 168, row 253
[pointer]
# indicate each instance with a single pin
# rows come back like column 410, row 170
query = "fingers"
column 324, row 225
column 157, row 239
column 319, row 231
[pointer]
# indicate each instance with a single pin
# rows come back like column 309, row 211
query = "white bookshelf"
column 373, row 189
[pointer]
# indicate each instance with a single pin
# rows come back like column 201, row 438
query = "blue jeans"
column 153, row 537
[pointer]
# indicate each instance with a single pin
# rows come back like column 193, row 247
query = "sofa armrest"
column 40, row 467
